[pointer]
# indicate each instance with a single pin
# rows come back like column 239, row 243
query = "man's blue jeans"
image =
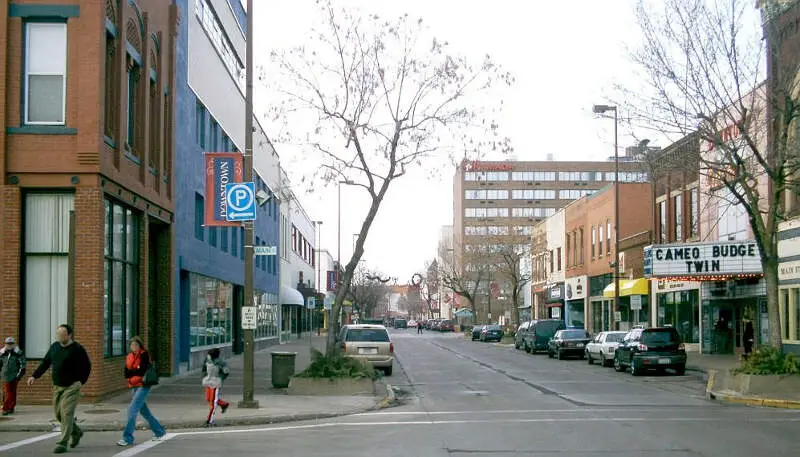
column 138, row 405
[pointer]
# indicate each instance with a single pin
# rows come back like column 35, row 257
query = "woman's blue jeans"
column 139, row 405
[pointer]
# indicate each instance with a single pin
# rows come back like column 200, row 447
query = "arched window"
column 133, row 36
column 112, row 83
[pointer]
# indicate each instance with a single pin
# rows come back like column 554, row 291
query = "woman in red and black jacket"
column 136, row 365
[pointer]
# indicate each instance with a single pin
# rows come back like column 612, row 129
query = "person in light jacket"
column 216, row 371
column 136, row 365
column 12, row 369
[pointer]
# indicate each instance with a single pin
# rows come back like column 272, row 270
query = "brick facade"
column 80, row 157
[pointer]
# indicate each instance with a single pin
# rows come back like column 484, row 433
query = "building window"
column 111, row 87
column 235, row 242
column 662, row 221
column 241, row 243
column 211, row 311
column 200, row 124
column 121, row 284
column 46, row 246
column 263, row 258
column 677, row 213
column 558, row 258
column 733, row 220
column 132, row 107
column 600, row 240
column 267, row 315
column 574, row 247
column 155, row 126
column 214, row 135
column 212, row 236
column 581, row 244
column 680, row 310
column 224, row 237
column 594, row 242
column 569, row 250
column 608, row 236
column 199, row 216
column 693, row 212
column 211, row 24
column 45, row 73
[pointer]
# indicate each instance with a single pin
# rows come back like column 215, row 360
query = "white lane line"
column 505, row 411
column 139, row 448
column 25, row 442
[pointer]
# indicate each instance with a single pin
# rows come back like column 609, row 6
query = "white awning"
column 290, row 296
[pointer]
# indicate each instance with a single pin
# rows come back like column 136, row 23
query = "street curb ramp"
column 739, row 399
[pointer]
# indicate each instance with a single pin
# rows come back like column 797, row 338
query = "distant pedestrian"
column 136, row 365
column 216, row 371
column 419, row 327
column 749, row 338
column 12, row 369
column 71, row 369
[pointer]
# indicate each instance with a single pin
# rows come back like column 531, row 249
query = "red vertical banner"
column 221, row 168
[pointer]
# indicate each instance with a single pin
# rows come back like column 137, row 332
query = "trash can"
column 282, row 368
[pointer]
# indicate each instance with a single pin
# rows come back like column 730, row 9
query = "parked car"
column 492, row 332
column 657, row 348
column 568, row 343
column 400, row 323
column 413, row 324
column 520, row 333
column 446, row 326
column 476, row 331
column 539, row 333
column 602, row 347
column 370, row 343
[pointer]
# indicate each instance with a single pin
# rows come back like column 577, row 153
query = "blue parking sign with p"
column 240, row 200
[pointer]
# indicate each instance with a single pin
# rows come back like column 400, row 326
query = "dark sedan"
column 476, row 331
column 568, row 343
column 492, row 333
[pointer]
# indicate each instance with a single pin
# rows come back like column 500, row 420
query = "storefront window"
column 575, row 314
column 121, row 282
column 680, row 310
column 267, row 317
column 797, row 314
column 211, row 311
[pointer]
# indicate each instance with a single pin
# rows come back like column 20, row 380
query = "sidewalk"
column 178, row 401
column 702, row 363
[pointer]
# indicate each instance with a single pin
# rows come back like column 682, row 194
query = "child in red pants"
column 216, row 371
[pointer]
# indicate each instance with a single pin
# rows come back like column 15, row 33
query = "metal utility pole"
column 249, row 377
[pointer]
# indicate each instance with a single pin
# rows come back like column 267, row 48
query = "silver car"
column 602, row 347
column 369, row 343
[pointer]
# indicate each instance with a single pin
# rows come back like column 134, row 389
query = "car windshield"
column 377, row 335
column 660, row 337
column 573, row 334
column 493, row 327
column 547, row 327
column 614, row 337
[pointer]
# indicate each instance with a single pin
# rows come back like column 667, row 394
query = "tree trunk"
column 770, row 265
column 515, row 310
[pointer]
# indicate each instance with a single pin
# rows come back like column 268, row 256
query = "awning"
column 463, row 312
column 290, row 296
column 628, row 287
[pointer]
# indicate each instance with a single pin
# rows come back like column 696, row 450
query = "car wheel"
column 549, row 354
column 388, row 370
column 527, row 348
column 516, row 345
column 589, row 358
column 681, row 370
column 560, row 355
column 618, row 367
column 634, row 370
column 603, row 361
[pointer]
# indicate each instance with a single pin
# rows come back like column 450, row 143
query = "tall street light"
column 601, row 109
column 318, row 241
column 249, row 378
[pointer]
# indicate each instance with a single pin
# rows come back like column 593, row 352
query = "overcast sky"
column 565, row 55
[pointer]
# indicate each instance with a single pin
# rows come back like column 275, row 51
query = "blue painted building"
column 209, row 117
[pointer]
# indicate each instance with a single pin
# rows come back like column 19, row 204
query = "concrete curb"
column 754, row 401
column 112, row 426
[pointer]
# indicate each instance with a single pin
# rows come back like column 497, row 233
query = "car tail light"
column 643, row 347
column 344, row 347
column 391, row 348
column 681, row 347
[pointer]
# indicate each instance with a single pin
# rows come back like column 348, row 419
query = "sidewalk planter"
column 332, row 386
column 283, row 366
column 749, row 384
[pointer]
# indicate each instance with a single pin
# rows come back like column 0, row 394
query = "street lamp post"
column 318, row 230
column 249, row 382
column 600, row 109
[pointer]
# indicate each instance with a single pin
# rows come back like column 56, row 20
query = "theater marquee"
column 716, row 259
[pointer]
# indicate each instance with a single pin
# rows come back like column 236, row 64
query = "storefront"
column 600, row 305
column 554, row 301
column 575, row 292
column 634, row 303
column 292, row 305
column 789, row 284
column 732, row 292
column 677, row 304
column 268, row 310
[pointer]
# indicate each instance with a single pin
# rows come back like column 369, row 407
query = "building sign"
column 331, row 277
column 789, row 271
column 719, row 258
column 222, row 168
column 555, row 292
column 575, row 288
column 479, row 166
column 661, row 286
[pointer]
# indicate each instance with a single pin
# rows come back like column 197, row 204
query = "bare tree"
column 429, row 292
column 510, row 265
column 368, row 289
column 463, row 280
column 705, row 76
column 379, row 97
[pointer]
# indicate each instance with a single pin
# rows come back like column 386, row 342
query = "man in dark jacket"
column 12, row 369
column 71, row 368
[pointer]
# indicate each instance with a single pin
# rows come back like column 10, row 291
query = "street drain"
column 476, row 393
column 101, row 411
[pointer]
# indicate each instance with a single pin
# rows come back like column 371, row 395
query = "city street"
column 462, row 398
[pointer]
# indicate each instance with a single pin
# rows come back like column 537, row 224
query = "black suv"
column 568, row 342
column 651, row 349
column 538, row 334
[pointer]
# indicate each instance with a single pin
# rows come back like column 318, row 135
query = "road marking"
column 139, row 448
column 25, row 442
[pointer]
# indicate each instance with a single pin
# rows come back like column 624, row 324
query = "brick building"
column 590, row 253
column 86, row 161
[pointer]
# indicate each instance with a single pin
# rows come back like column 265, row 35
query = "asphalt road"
column 463, row 399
